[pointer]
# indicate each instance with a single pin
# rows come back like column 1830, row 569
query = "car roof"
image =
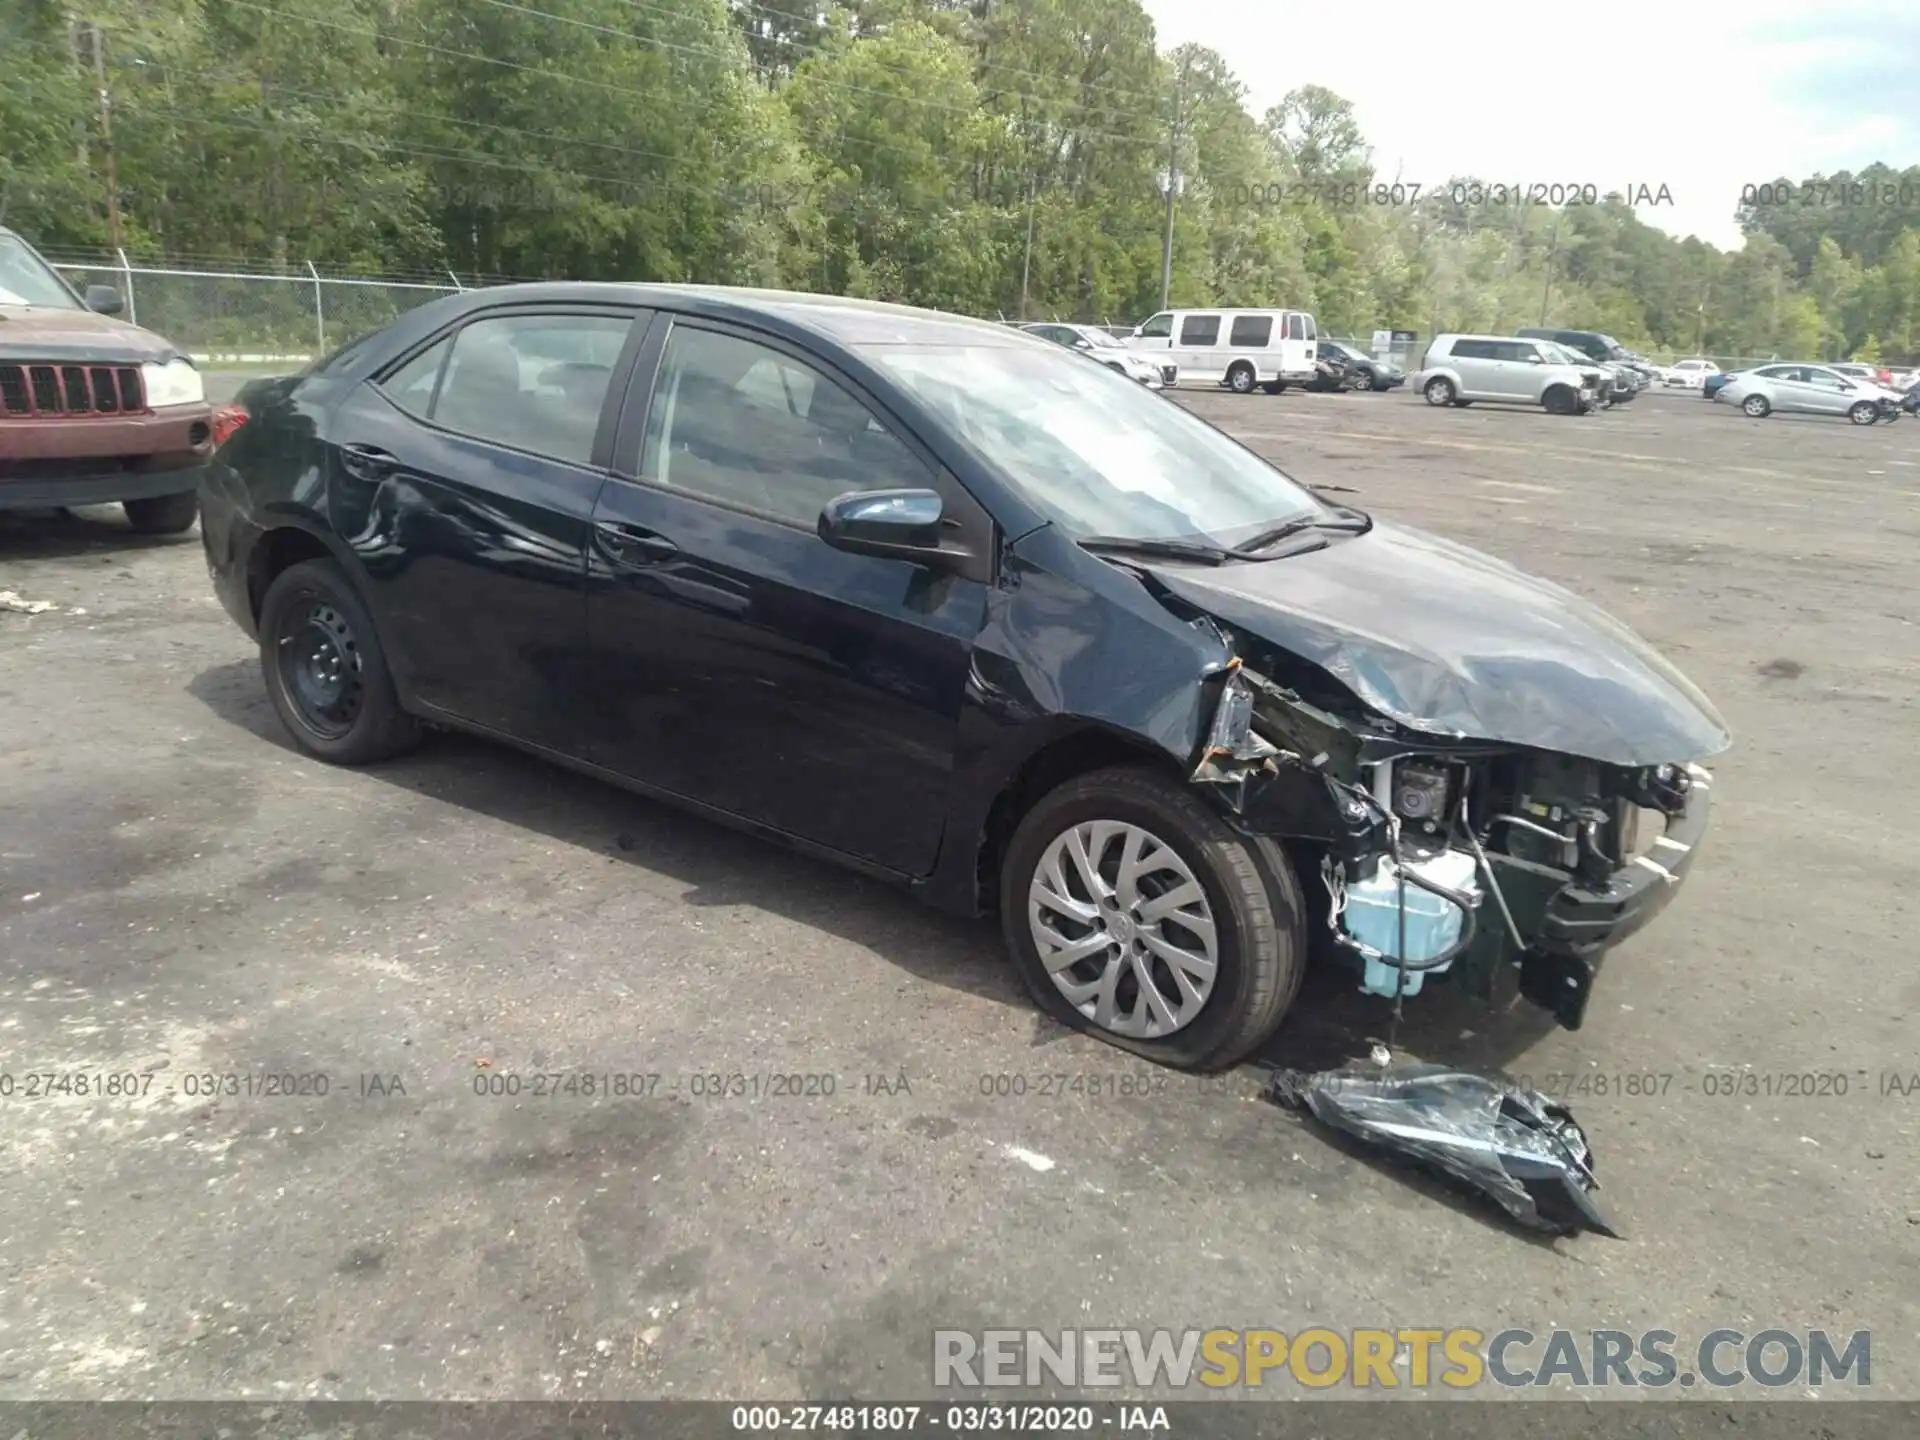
column 847, row 321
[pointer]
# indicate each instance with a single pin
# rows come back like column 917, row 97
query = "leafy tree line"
column 988, row 156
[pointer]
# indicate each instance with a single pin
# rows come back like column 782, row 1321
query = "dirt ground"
column 183, row 898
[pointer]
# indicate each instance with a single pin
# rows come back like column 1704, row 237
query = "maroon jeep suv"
column 93, row 410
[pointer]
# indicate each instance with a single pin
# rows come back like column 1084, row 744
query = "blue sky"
column 1703, row 96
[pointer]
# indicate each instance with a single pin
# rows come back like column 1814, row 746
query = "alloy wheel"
column 1124, row 929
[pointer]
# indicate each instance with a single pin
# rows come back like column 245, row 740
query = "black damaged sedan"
column 939, row 601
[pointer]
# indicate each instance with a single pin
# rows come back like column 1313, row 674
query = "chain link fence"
column 246, row 316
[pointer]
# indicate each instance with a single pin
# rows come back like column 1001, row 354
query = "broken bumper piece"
column 1501, row 1139
column 1582, row 921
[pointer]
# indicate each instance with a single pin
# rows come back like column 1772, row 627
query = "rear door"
column 464, row 478
column 1296, row 337
column 740, row 661
column 1196, row 348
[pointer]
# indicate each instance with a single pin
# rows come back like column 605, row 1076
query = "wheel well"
column 275, row 551
column 1246, row 365
column 1048, row 768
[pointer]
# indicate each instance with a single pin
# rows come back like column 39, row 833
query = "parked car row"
column 1241, row 350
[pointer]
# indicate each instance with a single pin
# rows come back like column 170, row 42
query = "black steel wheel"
column 325, row 671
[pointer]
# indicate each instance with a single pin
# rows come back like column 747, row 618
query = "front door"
column 464, row 480
column 740, row 661
column 1824, row 392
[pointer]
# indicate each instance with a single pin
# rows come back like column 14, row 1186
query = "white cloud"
column 1701, row 98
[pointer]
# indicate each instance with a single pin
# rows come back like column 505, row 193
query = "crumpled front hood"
column 1448, row 641
column 39, row 332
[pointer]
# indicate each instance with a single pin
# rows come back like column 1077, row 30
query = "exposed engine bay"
column 1506, row 868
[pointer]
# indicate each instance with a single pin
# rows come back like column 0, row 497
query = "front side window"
column 1160, row 327
column 1251, row 332
column 535, row 382
column 26, row 279
column 1082, row 448
column 1825, row 379
column 1200, row 330
column 745, row 425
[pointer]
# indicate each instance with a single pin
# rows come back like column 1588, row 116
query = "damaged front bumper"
column 1558, row 848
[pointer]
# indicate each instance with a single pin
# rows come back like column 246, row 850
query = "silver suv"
column 1461, row 369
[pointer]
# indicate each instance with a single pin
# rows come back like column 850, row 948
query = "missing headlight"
column 1420, row 791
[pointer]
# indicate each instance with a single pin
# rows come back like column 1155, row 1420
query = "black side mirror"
column 898, row 524
column 104, row 300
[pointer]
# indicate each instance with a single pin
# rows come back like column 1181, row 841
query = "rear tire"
column 1440, row 391
column 162, row 514
column 1756, row 406
column 325, row 671
column 1240, row 379
column 1244, row 897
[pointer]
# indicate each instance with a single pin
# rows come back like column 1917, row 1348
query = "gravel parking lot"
column 184, row 898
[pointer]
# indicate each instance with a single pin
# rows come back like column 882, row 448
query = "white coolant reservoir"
column 1433, row 923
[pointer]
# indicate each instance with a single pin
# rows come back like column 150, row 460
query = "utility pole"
column 106, row 134
column 1553, row 248
column 1026, row 266
column 1172, row 186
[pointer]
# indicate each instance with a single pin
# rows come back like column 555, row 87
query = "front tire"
column 1359, row 380
column 325, row 671
column 1559, row 400
column 1136, row 914
column 1864, row 412
column 1439, row 391
column 162, row 514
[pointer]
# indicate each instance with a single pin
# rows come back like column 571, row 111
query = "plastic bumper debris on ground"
column 1503, row 1140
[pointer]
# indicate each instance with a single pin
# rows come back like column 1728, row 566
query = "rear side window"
column 1297, row 328
column 1472, row 350
column 1251, row 332
column 411, row 386
column 1200, row 330
column 535, row 382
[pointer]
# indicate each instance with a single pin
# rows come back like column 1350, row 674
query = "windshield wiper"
column 1166, row 549
column 1350, row 522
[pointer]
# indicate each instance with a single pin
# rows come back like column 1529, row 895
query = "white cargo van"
column 1235, row 348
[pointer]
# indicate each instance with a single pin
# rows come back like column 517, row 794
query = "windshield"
column 1087, row 452
column 26, row 279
